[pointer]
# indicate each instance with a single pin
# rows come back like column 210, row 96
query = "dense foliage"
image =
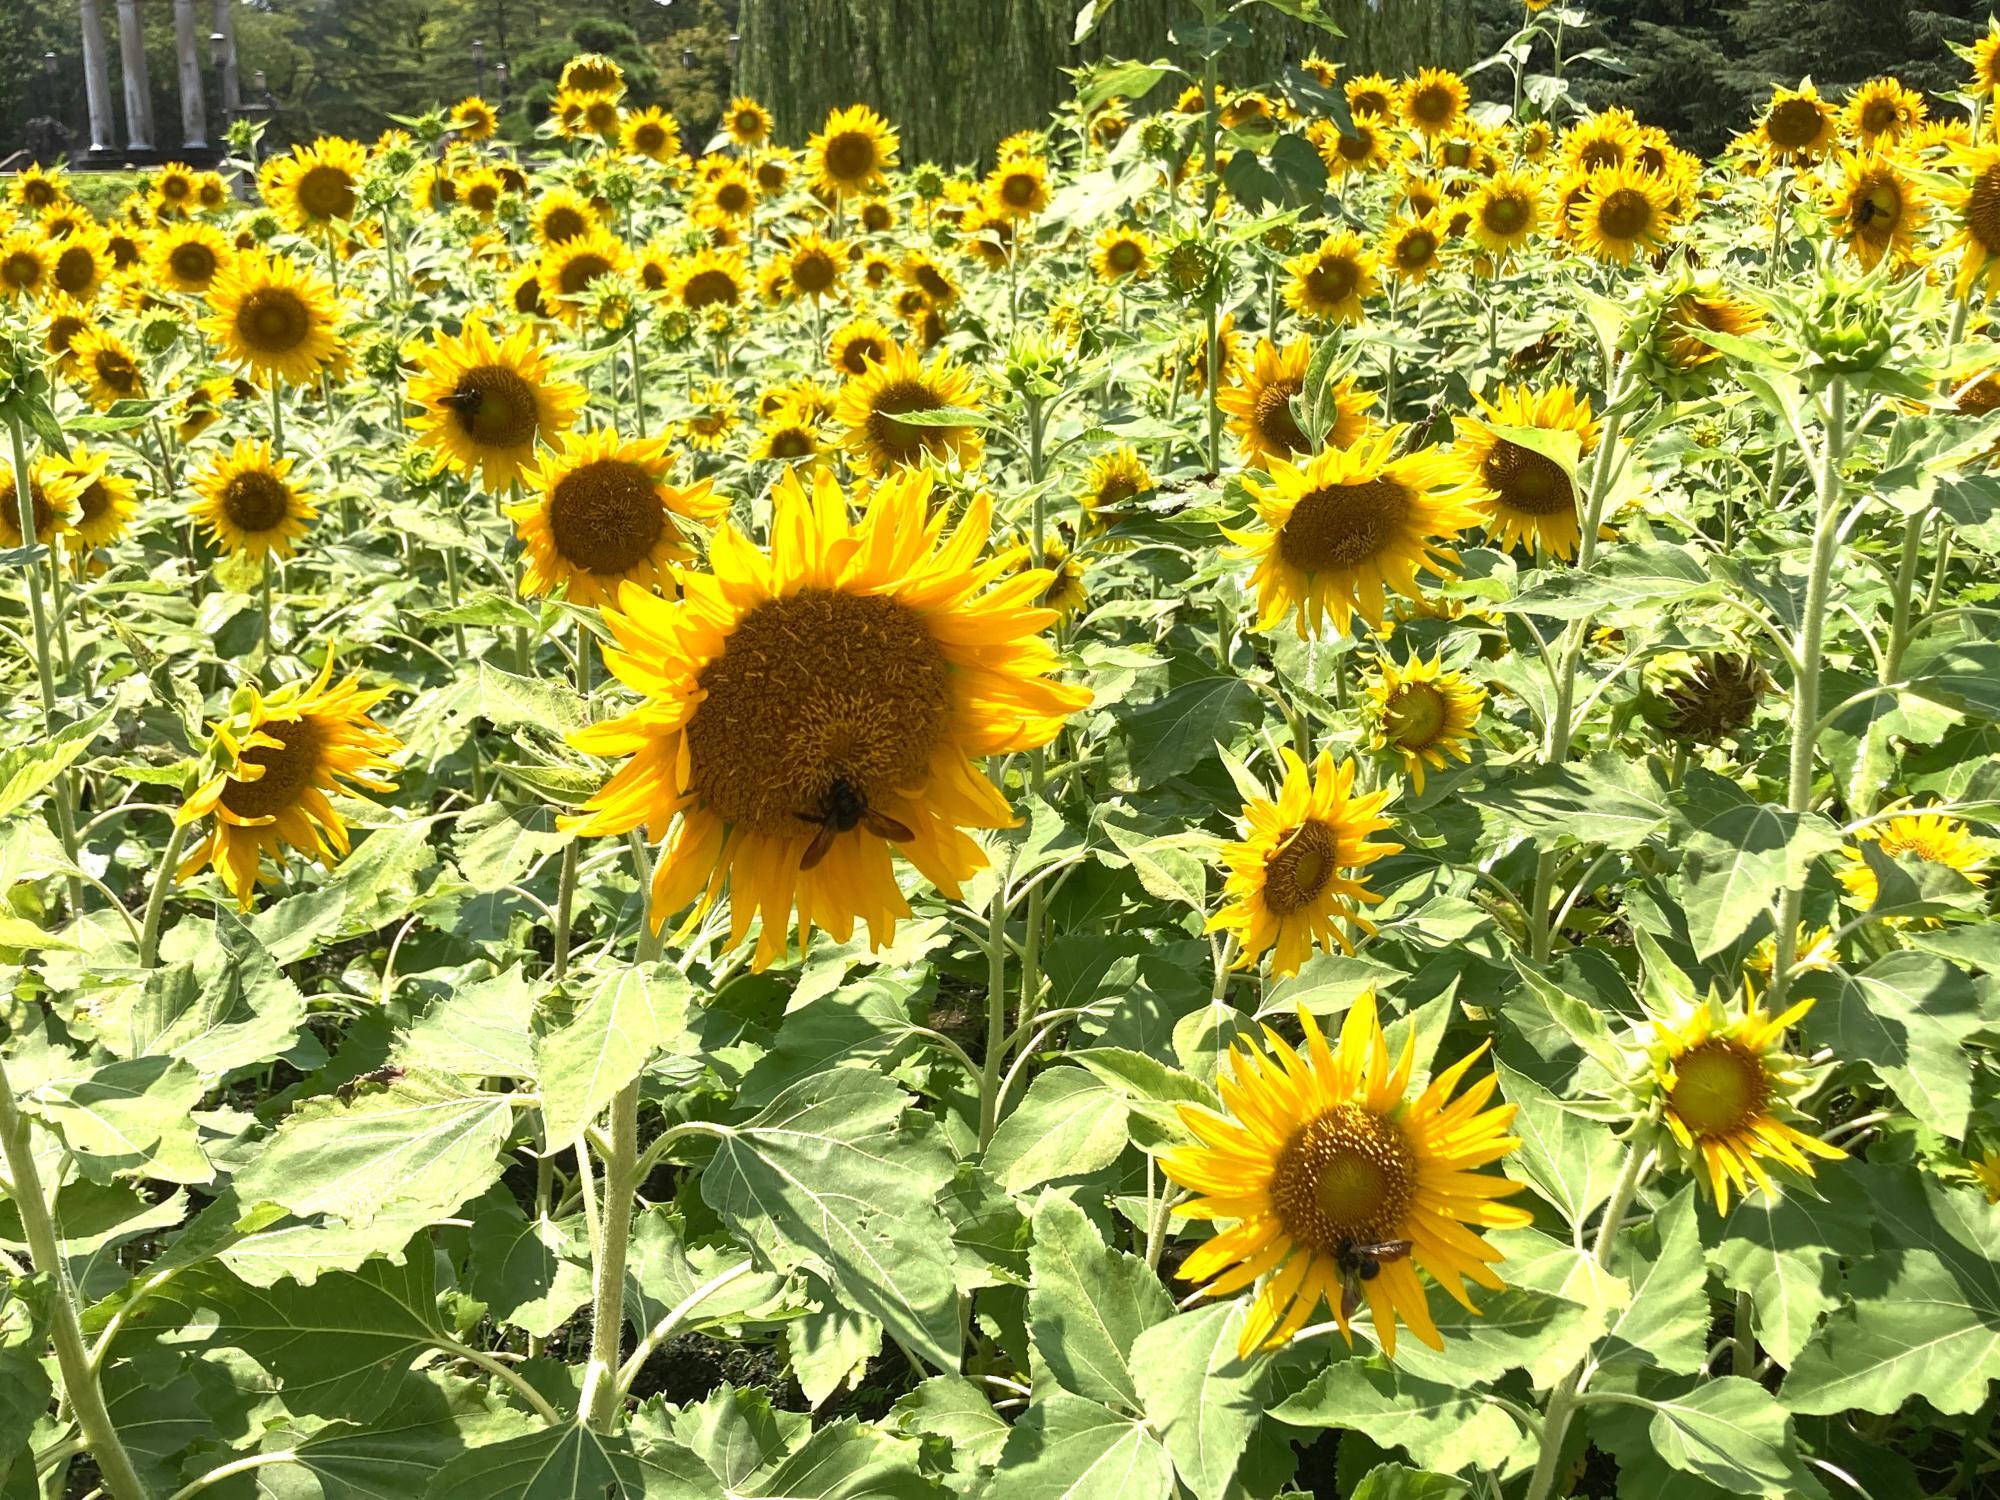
column 1295, row 796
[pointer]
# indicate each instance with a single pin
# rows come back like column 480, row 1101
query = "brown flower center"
column 649, row 138
column 1527, row 481
column 1348, row 1174
column 46, row 514
column 814, row 271
column 22, row 270
column 256, row 500
column 1505, row 214
column 1274, row 421
column 76, row 270
column 850, row 156
column 790, row 442
column 1624, row 214
column 1357, row 147
column 93, row 501
column 564, row 222
column 813, row 688
column 326, row 192
column 1416, row 249
column 606, row 516
column 1719, row 1087
column 580, row 270
column 1433, row 105
column 733, row 198
column 1982, row 211
column 1298, row 872
column 289, row 770
column 1878, row 115
column 1415, row 715
column 494, row 407
column 1343, row 525
column 1793, row 123
column 1332, row 281
column 861, row 351
column 116, row 372
column 900, row 441
column 193, row 262
column 706, row 288
column 273, row 320
column 1123, row 255
column 1018, row 189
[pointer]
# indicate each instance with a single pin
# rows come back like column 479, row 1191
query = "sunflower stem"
column 1743, row 1347
column 156, row 903
column 993, row 1064
column 80, row 1388
column 277, row 418
column 638, row 382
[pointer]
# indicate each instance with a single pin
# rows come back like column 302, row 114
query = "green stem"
column 638, row 384
column 1743, row 1347
column 80, row 1387
column 156, row 903
column 996, row 1012
column 277, row 418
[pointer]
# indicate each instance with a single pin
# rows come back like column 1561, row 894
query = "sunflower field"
column 1289, row 795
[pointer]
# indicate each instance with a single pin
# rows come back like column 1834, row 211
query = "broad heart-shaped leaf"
column 1728, row 1431
column 631, row 1015
column 953, row 1408
column 844, row 1461
column 332, row 1346
column 1200, row 1396
column 1907, row 1016
column 1925, row 1315
column 1439, row 1425
column 383, row 880
column 1734, row 866
column 569, row 1462
column 1519, row 1328
column 531, row 1273
column 1180, row 729
column 1789, row 1254
column 737, row 1432
column 129, row 1119
column 1068, row 1123
column 1961, row 674
column 1643, row 573
column 1067, row 1448
column 1401, row 1482
column 426, row 1140
column 24, row 1384
column 1666, row 1321
column 480, row 1030
column 826, row 1175
column 1587, row 802
column 1088, row 1304
column 1570, row 1161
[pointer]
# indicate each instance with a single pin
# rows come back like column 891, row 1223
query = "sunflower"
column 1609, row 139
column 901, row 383
column 1363, row 149
column 589, row 112
column 773, row 172
column 1526, row 497
column 275, row 316
column 1114, row 477
column 1064, row 590
column 1348, row 526
column 592, row 73
column 1412, row 247
column 24, row 265
column 562, row 214
column 1506, row 211
column 927, row 276
column 1712, row 696
column 569, row 268
column 63, row 318
column 79, row 264
column 709, row 278
column 790, row 436
column 852, row 152
column 813, row 400
column 1987, row 1171
column 1986, row 61
column 651, row 133
column 1260, row 410
column 1434, row 101
column 858, row 344
column 1322, row 1152
column 1875, row 208
column 1882, row 111
column 1535, row 141
column 816, row 266
column 1422, row 713
column 486, row 403
column 314, row 187
column 482, row 190
column 1620, row 212
column 1018, row 187
column 713, row 419
column 747, row 121
column 107, row 367
column 730, row 196
column 105, row 500
column 1929, row 838
column 1373, row 94
column 66, row 219
column 52, row 494
column 473, row 119
column 604, row 513
column 201, row 408
column 1704, row 307
column 434, row 190
column 1332, row 281
column 989, row 237
column 808, row 709
column 36, row 187
column 1977, row 205
column 523, row 292
column 188, row 257
column 1725, row 1089
column 249, row 504
column 1798, row 125
column 282, row 757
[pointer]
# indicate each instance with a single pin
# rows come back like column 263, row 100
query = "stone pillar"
column 96, row 79
column 187, row 56
column 138, row 92
column 232, row 86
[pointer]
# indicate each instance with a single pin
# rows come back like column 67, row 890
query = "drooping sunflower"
column 1412, row 247
column 1725, row 1086
column 856, row 345
column 747, row 121
column 282, row 756
column 1527, row 497
column 899, row 384
column 79, row 263
column 569, row 268
column 275, row 316
column 1882, row 111
column 1977, row 206
column 816, row 266
column 604, row 512
column 592, row 73
column 1506, row 211
column 51, row 495
column 473, row 119
column 523, row 291
column 809, row 710
column 24, row 265
column 1332, row 280
column 1260, row 410
column 1798, row 125
column 189, row 256
column 1349, row 526
column 651, row 133
column 925, row 274
column 1287, row 891
column 1320, row 1151
column 202, row 407
column 312, row 188
column 107, row 366
column 1705, row 306
column 1875, row 208
column 1931, row 838
column 851, row 153
column 105, row 499
column 1712, row 696
column 249, row 504
column 1422, row 713
column 486, row 402
column 1434, row 101
column 1621, row 212
column 709, row 278
column 1114, row 478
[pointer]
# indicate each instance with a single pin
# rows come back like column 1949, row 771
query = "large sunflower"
column 896, row 386
column 105, row 499
column 852, row 152
column 281, row 757
column 708, row 278
column 1620, row 212
column 562, row 214
column 1422, row 713
column 1927, row 837
column 1434, row 101
column 604, row 513
column 1882, row 111
column 808, row 709
column 651, row 133
column 1260, row 410
column 1798, row 125
column 1986, row 61
column 747, row 121
column 24, row 265
column 1875, row 208
column 816, row 266
column 473, row 119
column 188, row 256
column 1527, row 496
column 107, row 367
column 1018, row 187
column 1724, row 1086
column 315, row 187
column 1122, row 254
column 249, row 504
column 1350, row 525
column 567, row 269
column 1608, row 139
column 1977, row 206
column 486, row 403
column 1287, row 890
column 1321, row 1152
column 51, row 494
column 275, row 316
column 1332, row 280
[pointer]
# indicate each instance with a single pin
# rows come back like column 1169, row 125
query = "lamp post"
column 478, row 63
column 500, row 83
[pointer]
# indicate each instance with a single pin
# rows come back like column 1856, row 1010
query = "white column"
column 96, row 78
column 138, row 93
column 232, row 87
column 187, row 54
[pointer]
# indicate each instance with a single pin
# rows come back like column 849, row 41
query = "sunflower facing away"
column 249, row 504
column 1706, row 306
column 851, row 152
column 1422, row 713
column 486, row 403
column 1321, row 1152
column 1349, row 526
column 282, row 755
column 900, row 384
column 1286, row 891
column 1725, row 1085
column 1528, row 497
column 809, row 710
column 1260, row 411
column 1931, row 838
column 274, row 316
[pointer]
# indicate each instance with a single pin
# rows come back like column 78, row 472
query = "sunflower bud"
column 1035, row 363
column 158, row 332
column 1666, row 334
column 1158, row 138
column 1849, row 330
column 927, row 181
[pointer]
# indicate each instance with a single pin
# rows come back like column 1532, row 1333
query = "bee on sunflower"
column 249, row 504
column 1882, row 112
column 1875, row 209
column 487, row 402
column 1528, row 498
column 281, row 756
column 901, row 383
column 811, row 710
column 1423, row 713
